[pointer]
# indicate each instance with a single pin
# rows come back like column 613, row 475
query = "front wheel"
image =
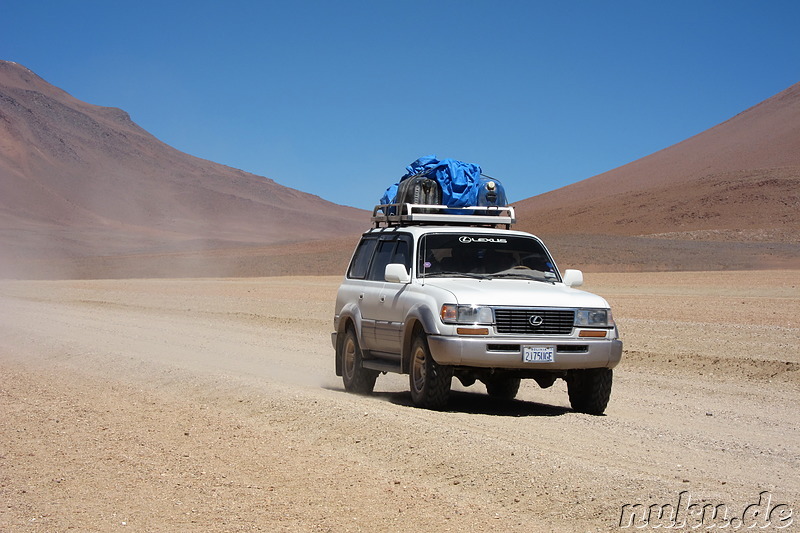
column 428, row 380
column 356, row 378
column 589, row 390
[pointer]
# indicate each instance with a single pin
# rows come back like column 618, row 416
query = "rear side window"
column 360, row 262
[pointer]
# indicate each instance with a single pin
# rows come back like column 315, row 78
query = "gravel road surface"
column 212, row 405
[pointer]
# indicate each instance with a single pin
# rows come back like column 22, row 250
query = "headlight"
column 594, row 318
column 466, row 314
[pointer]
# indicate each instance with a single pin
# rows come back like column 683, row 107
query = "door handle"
column 361, row 296
column 383, row 298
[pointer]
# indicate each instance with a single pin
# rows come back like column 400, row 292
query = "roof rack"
column 409, row 214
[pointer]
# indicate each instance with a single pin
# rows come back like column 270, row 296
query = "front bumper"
column 490, row 352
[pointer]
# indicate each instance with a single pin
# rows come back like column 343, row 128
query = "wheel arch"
column 419, row 319
column 350, row 316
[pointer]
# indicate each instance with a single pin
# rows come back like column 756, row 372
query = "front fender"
column 419, row 316
column 425, row 316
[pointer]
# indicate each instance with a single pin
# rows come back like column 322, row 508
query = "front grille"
column 518, row 321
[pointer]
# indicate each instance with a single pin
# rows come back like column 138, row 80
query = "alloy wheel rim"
column 349, row 358
column 419, row 369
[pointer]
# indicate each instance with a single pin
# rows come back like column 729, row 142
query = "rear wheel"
column 502, row 388
column 589, row 390
column 356, row 378
column 428, row 380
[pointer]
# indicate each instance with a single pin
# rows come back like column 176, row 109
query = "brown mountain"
column 85, row 192
column 80, row 182
column 726, row 198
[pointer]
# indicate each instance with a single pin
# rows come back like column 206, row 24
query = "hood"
column 516, row 293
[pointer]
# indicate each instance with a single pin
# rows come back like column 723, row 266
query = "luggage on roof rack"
column 453, row 183
column 406, row 213
column 419, row 189
column 490, row 192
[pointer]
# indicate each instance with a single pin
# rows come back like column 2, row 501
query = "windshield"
column 484, row 256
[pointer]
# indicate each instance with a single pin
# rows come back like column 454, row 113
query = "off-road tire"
column 356, row 378
column 429, row 381
column 502, row 388
column 589, row 390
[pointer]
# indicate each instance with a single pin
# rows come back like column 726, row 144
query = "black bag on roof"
column 419, row 189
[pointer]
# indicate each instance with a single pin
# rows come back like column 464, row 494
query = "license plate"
column 538, row 354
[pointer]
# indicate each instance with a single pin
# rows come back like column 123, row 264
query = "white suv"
column 438, row 293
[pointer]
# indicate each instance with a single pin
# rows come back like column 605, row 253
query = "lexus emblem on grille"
column 535, row 320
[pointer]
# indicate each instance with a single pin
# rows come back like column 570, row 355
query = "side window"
column 382, row 258
column 360, row 262
column 402, row 253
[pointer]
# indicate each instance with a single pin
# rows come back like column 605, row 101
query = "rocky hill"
column 728, row 197
column 87, row 193
column 80, row 182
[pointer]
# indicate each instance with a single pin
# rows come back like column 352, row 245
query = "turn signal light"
column 472, row 331
column 592, row 333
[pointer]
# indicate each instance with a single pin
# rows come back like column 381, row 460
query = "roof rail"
column 409, row 214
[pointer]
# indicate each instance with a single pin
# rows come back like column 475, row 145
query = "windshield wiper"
column 535, row 275
column 455, row 275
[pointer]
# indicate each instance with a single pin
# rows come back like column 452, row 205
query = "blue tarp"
column 459, row 180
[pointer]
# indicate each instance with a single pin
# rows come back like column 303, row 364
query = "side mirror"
column 573, row 278
column 396, row 273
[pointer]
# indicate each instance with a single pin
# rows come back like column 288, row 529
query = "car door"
column 361, row 290
column 389, row 310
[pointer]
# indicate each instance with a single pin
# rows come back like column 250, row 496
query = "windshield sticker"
column 466, row 239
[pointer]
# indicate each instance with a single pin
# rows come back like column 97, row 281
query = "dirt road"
column 211, row 405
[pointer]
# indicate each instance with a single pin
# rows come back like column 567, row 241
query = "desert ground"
column 212, row 405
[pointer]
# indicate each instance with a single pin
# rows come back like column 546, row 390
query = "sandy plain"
column 212, row 405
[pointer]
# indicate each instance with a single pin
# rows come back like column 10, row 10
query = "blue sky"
column 336, row 98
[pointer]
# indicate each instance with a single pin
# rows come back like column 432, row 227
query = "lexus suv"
column 436, row 293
